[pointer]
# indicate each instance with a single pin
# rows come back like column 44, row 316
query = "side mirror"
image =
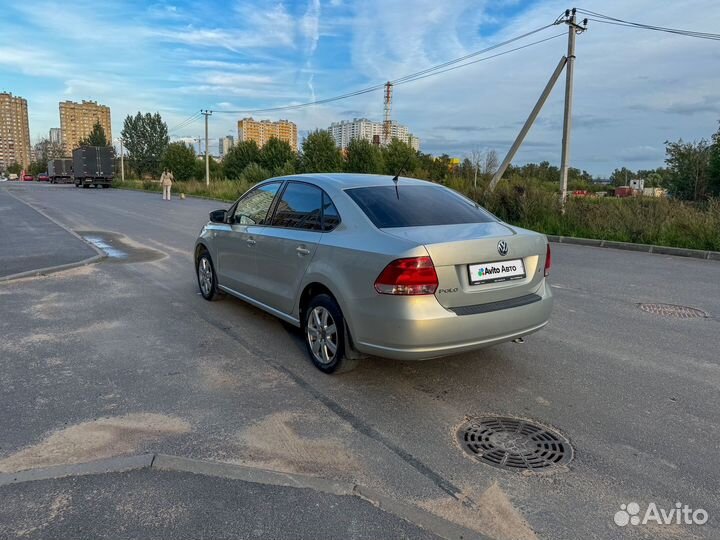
column 218, row 216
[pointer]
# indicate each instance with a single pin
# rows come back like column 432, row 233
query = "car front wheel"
column 207, row 281
column 324, row 331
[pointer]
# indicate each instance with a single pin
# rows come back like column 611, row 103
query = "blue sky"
column 634, row 89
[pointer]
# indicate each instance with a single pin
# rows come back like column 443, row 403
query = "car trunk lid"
column 470, row 268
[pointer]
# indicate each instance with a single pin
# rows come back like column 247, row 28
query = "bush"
column 641, row 220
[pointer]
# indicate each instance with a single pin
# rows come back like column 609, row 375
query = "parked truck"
column 60, row 171
column 93, row 166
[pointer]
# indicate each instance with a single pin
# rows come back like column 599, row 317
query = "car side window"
column 253, row 208
column 331, row 218
column 300, row 207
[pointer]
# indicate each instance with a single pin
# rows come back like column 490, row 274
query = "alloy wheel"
column 205, row 276
column 322, row 335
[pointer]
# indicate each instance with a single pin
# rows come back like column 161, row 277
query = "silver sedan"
column 371, row 265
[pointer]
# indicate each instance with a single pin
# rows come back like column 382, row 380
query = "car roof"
column 353, row 180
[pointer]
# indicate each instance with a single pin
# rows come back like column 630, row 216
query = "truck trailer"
column 60, row 170
column 93, row 166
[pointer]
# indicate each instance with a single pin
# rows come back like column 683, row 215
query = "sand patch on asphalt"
column 493, row 515
column 44, row 337
column 230, row 376
column 275, row 443
column 97, row 439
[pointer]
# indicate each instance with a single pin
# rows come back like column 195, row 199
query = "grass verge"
column 644, row 220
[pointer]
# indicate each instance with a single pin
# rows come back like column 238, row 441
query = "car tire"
column 207, row 279
column 324, row 329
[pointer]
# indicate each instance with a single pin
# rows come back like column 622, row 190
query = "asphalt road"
column 124, row 356
column 52, row 245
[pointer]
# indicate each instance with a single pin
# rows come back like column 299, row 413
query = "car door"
column 236, row 244
column 287, row 246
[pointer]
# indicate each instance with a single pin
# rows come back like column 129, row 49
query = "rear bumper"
column 420, row 328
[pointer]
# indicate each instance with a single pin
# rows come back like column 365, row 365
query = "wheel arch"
column 312, row 289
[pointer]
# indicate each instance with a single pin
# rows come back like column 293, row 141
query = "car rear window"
column 418, row 206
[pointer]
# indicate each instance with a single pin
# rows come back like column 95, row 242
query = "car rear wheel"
column 324, row 330
column 207, row 281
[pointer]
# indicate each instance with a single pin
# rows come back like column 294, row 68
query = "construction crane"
column 388, row 105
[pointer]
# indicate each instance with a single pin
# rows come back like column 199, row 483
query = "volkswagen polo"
column 374, row 265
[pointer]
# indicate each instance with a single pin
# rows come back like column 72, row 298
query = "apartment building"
column 14, row 131
column 225, row 144
column 77, row 121
column 55, row 136
column 362, row 128
column 261, row 131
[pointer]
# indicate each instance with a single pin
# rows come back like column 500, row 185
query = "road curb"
column 163, row 462
column 59, row 267
column 630, row 246
column 100, row 466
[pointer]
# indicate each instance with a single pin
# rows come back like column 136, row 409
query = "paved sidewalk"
column 157, row 504
column 29, row 241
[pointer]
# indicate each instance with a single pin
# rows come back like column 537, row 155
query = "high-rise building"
column 225, row 144
column 77, row 121
column 362, row 128
column 262, row 131
column 14, row 131
column 55, row 136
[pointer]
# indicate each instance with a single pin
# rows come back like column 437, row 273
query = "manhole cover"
column 671, row 310
column 511, row 443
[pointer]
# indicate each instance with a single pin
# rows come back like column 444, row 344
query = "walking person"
column 166, row 180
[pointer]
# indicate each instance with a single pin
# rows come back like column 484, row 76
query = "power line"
column 606, row 19
column 408, row 78
column 481, row 59
column 185, row 123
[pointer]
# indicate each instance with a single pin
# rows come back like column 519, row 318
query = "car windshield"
column 416, row 206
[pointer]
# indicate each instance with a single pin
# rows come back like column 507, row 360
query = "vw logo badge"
column 502, row 248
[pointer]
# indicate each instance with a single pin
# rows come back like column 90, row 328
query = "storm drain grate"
column 511, row 443
column 671, row 310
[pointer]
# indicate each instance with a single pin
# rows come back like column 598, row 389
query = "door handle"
column 251, row 242
column 302, row 251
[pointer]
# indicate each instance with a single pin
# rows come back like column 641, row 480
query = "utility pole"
column 207, row 113
column 528, row 123
column 573, row 30
column 566, row 62
column 122, row 161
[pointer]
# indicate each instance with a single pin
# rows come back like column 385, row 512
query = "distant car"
column 408, row 270
column 27, row 178
column 3, row 179
column 43, row 177
column 13, row 176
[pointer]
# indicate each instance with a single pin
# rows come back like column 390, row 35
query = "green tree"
column 399, row 155
column 255, row 173
column 362, row 156
column 145, row 137
column 240, row 156
column 37, row 167
column 714, row 166
column 276, row 153
column 216, row 170
column 96, row 137
column 14, row 168
column 320, row 154
column 689, row 165
column 621, row 177
column 181, row 160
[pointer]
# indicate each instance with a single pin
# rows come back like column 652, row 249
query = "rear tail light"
column 548, row 261
column 415, row 275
